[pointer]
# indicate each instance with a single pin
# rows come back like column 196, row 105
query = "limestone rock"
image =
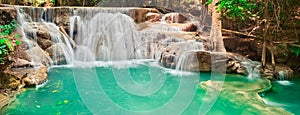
column 57, row 54
column 44, row 43
column 175, row 18
column 40, row 57
column 22, row 63
column 31, row 76
column 153, row 17
column 283, row 72
column 7, row 14
column 205, row 61
column 189, row 27
column 234, row 64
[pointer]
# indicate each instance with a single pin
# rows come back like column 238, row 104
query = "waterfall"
column 93, row 34
column 252, row 67
column 78, row 35
column 283, row 75
column 186, row 52
column 187, row 59
column 283, row 78
column 29, row 36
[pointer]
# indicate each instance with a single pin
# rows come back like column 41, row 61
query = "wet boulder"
column 40, row 57
column 57, row 54
column 153, row 17
column 44, row 43
column 283, row 72
column 189, row 27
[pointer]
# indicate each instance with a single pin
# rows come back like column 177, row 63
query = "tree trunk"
column 266, row 28
column 170, row 4
column 216, row 27
column 273, row 58
column 272, row 50
column 263, row 55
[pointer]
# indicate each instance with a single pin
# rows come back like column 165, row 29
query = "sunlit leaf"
column 18, row 42
column 17, row 36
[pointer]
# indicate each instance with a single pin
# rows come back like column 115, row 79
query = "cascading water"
column 108, row 34
column 108, row 37
column 28, row 26
column 104, row 34
column 282, row 78
column 283, row 75
column 252, row 68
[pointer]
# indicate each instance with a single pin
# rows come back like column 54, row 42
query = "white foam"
column 41, row 85
column 272, row 103
column 179, row 72
column 285, row 83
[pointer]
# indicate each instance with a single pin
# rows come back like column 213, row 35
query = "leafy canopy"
column 235, row 8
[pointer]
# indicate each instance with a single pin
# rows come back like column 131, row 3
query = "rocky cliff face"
column 17, row 70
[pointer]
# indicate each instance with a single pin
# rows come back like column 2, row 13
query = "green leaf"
column 18, row 42
column 2, row 47
column 209, row 2
column 2, row 41
column 17, row 36
column 9, row 45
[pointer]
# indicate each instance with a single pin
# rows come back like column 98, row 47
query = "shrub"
column 8, row 40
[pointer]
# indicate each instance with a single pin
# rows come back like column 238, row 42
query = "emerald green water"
column 75, row 90
column 285, row 94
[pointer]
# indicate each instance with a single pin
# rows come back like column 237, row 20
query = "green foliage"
column 52, row 1
column 6, row 44
column 295, row 50
column 209, row 2
column 236, row 8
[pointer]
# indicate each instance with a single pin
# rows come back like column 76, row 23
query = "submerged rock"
column 243, row 94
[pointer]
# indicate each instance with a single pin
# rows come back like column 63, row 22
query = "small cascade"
column 252, row 68
column 188, row 58
column 282, row 76
column 181, row 55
